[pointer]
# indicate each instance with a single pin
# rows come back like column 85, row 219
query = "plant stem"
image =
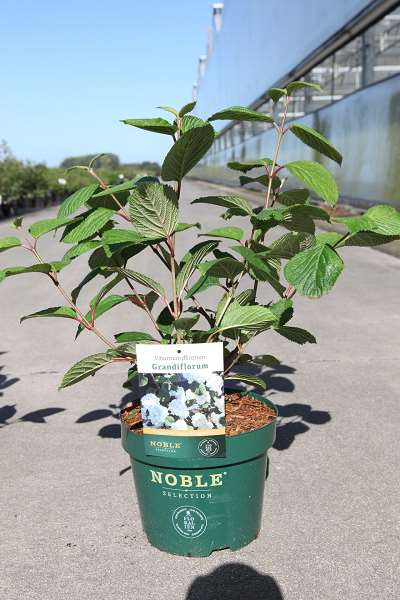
column 104, row 186
column 144, row 304
column 281, row 133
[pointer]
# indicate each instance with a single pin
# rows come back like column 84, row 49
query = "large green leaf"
column 41, row 227
column 369, row 238
column 295, row 196
column 117, row 189
column 187, row 151
column 260, row 268
column 9, row 242
column 87, row 279
column 237, row 203
column 317, row 141
column 314, row 272
column 230, row 233
column 267, row 360
column 246, row 378
column 382, row 219
column 240, row 113
column 245, row 166
column 190, row 122
column 190, row 263
column 185, row 323
column 91, row 225
column 154, row 210
column 81, row 248
column 76, row 200
column 85, row 367
column 290, row 244
column 316, row 177
column 65, row 312
column 227, row 268
column 100, row 308
column 261, row 179
column 252, row 318
column 105, row 289
column 133, row 336
column 142, row 279
column 157, row 125
column 202, row 284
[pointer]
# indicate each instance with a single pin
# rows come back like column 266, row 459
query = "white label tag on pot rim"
column 180, row 358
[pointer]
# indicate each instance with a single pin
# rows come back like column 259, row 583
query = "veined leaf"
column 183, row 226
column 85, row 367
column 298, row 85
column 295, row 196
column 102, row 307
column 154, row 210
column 202, row 284
column 262, row 179
column 314, row 272
column 90, row 225
column 185, row 323
column 156, row 125
column 87, row 279
column 9, row 242
column 245, row 297
column 230, row 233
column 317, row 141
column 65, row 312
column 245, row 166
column 296, row 334
column 276, row 93
column 382, row 219
column 169, row 109
column 41, row 227
column 235, row 202
column 260, row 268
column 117, row 189
column 227, row 268
column 187, row 108
column 76, row 200
column 290, row 244
column 246, row 378
column 37, row 268
column 316, row 177
column 190, row 263
column 81, row 248
column 240, row 113
column 142, row 279
column 283, row 310
column 187, row 151
column 105, row 289
column 369, row 238
column 190, row 122
column 252, row 318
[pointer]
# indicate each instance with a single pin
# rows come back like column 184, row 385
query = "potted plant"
column 256, row 274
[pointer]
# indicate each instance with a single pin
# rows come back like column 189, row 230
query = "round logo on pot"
column 208, row 447
column 189, row 521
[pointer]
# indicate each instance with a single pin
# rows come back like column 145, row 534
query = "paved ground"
column 70, row 525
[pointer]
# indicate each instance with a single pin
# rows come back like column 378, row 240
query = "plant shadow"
column 234, row 581
column 8, row 412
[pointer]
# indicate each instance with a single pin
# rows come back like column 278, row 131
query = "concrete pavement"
column 70, row 525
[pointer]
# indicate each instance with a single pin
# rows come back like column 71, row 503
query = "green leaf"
column 142, row 279
column 85, row 367
column 115, row 240
column 253, row 318
column 56, row 311
column 314, row 272
column 81, row 248
column 102, row 307
column 235, row 202
column 183, row 226
column 9, row 242
column 202, row 284
column 231, row 233
column 290, row 244
column 186, row 323
column 317, row 141
column 240, row 113
column 187, row 108
column 190, row 122
column 90, row 225
column 58, row 265
column 41, row 227
column 260, row 269
column 156, row 125
column 267, row 360
column 300, row 217
column 104, row 290
column 169, row 109
column 276, row 93
column 187, row 151
column 133, row 336
column 87, row 279
column 245, row 166
column 316, row 177
column 368, row 238
column 298, row 85
column 17, row 222
column 283, row 310
column 296, row 334
column 244, row 179
column 190, row 263
column 76, row 200
column 117, row 189
column 37, row 268
column 246, row 378
column 245, row 297
column 154, row 210
column 228, row 268
column 295, row 196
column 381, row 219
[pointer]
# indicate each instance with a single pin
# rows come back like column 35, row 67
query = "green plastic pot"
column 193, row 506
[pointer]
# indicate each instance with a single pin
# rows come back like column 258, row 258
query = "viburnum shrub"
column 256, row 275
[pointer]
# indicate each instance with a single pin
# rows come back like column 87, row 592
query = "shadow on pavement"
column 8, row 411
column 234, row 581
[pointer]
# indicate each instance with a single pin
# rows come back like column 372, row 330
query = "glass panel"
column 348, row 68
column 322, row 74
column 384, row 46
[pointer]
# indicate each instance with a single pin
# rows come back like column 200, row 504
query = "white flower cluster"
column 185, row 401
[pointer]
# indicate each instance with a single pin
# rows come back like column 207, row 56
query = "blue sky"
column 70, row 69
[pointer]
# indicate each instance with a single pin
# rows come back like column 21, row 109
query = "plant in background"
column 255, row 274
